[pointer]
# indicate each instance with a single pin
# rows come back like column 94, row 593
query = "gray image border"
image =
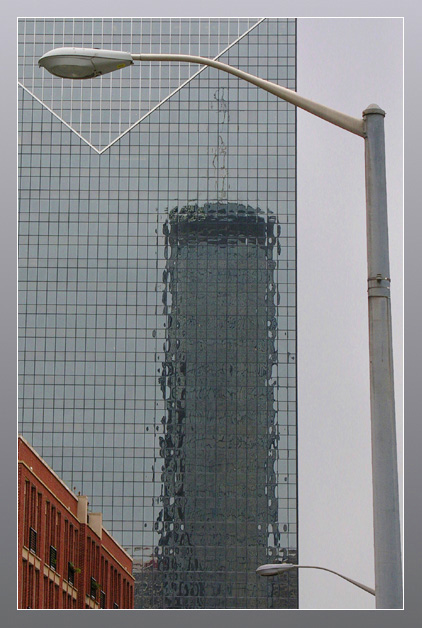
column 412, row 230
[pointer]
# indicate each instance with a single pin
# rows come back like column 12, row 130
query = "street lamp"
column 275, row 570
column 83, row 63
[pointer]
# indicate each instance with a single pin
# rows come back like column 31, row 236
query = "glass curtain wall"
column 157, row 324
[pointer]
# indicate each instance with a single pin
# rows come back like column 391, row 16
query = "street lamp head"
column 274, row 569
column 83, row 63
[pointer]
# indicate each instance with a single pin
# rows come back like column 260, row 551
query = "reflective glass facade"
column 157, row 299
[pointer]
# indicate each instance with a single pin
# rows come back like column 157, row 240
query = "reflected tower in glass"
column 157, row 252
column 220, row 443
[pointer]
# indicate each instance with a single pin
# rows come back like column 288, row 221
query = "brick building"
column 66, row 558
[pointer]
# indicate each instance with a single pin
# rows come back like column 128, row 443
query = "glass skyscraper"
column 157, row 295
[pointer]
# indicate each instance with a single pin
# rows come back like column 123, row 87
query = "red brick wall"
column 34, row 588
column 46, row 475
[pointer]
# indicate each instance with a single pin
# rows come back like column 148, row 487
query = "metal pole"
column 388, row 570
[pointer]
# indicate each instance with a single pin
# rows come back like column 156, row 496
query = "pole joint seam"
column 378, row 278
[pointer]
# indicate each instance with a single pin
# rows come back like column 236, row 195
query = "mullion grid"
column 198, row 175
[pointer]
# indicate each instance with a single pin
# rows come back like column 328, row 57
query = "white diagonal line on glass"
column 58, row 117
column 180, row 87
column 151, row 110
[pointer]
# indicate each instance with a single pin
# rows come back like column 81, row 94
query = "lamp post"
column 275, row 570
column 84, row 63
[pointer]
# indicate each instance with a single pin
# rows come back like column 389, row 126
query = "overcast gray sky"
column 346, row 64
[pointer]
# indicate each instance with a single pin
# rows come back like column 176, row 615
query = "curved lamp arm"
column 354, row 125
column 273, row 570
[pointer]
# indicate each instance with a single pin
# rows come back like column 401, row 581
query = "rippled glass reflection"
column 219, row 449
column 157, row 299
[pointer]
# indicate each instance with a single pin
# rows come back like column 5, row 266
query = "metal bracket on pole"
column 379, row 286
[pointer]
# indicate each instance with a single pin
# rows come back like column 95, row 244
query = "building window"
column 26, row 507
column 93, row 588
column 102, row 599
column 71, row 574
column 24, row 583
column 39, row 510
column 115, row 605
column 47, row 525
column 53, row 557
column 37, row 588
column 33, row 540
column 45, row 592
column 30, row 600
